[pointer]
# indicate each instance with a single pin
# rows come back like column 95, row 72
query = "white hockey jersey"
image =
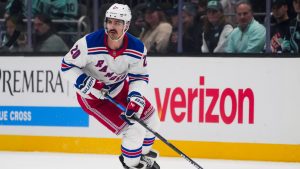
column 90, row 56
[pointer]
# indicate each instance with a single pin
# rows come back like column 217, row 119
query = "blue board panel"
column 43, row 116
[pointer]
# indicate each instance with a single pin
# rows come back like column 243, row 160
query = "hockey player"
column 112, row 61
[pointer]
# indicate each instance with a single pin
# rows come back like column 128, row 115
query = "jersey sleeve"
column 138, row 76
column 74, row 61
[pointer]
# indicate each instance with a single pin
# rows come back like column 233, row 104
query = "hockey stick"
column 121, row 107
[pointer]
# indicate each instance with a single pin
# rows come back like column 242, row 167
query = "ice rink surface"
column 38, row 160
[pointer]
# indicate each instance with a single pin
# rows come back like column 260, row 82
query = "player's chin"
column 114, row 37
column 112, row 34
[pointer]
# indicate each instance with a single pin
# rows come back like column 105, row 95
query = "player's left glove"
column 135, row 107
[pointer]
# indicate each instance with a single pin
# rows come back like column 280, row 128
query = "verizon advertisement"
column 253, row 100
column 227, row 99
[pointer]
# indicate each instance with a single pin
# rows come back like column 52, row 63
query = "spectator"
column 173, row 14
column 249, row 36
column 280, row 31
column 199, row 21
column 157, row 30
column 137, row 22
column 295, row 28
column 201, row 9
column 190, row 31
column 216, row 29
column 59, row 9
column 228, row 8
column 46, row 39
column 14, row 39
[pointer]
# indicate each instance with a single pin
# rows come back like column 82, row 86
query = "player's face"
column 115, row 28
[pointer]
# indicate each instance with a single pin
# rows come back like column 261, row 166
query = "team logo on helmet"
column 120, row 12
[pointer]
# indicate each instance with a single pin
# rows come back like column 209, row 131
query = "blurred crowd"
column 208, row 26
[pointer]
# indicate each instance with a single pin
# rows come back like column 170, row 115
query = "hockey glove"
column 135, row 107
column 94, row 88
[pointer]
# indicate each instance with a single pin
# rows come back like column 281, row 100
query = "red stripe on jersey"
column 134, row 52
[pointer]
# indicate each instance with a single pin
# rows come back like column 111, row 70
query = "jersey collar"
column 118, row 52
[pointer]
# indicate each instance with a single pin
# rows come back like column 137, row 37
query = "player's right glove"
column 93, row 88
column 135, row 107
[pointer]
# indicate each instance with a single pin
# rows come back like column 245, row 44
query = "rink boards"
column 210, row 107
